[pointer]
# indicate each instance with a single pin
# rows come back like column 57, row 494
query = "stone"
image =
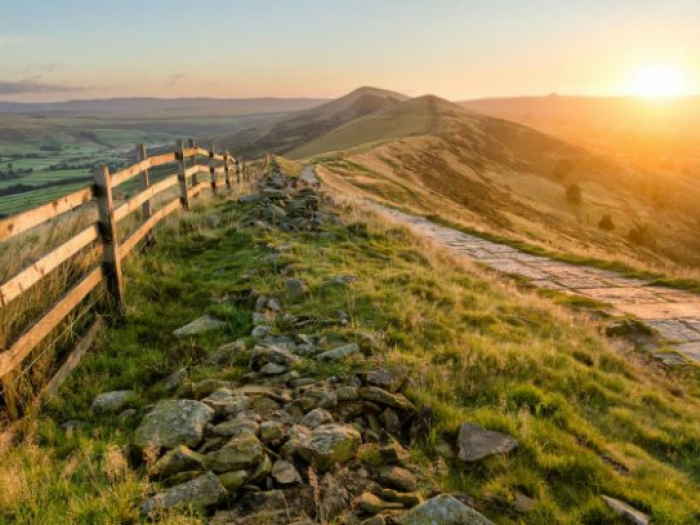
column 274, row 304
column 174, row 380
column 128, row 415
column 261, row 331
column 263, row 470
column 209, row 386
column 625, row 510
column 202, row 325
column 112, row 402
column 389, row 379
column 241, row 424
column 243, row 451
column 391, row 452
column 316, row 418
column 203, row 490
column 523, row 503
column 225, row 403
column 397, row 478
column 443, row 510
column 407, row 499
column 375, row 520
column 173, row 422
column 335, row 498
column 475, row 443
column 347, row 393
column 382, row 397
column 295, row 287
column 260, row 319
column 330, row 445
column 179, row 459
column 273, row 369
column 273, row 354
column 391, row 421
column 267, row 507
column 297, row 436
column 421, row 425
column 372, row 504
column 284, row 473
column 271, row 432
column 232, row 481
column 339, row 352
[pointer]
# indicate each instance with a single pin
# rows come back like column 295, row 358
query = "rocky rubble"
column 283, row 447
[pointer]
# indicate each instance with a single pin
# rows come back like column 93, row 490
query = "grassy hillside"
column 298, row 128
column 434, row 157
column 591, row 418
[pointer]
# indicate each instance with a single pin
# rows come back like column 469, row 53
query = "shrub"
column 606, row 223
column 574, row 194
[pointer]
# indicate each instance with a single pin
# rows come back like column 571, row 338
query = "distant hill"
column 436, row 157
column 301, row 127
column 167, row 107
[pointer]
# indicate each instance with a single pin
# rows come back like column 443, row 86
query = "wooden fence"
column 221, row 167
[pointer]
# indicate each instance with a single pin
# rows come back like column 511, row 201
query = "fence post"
column 10, row 396
column 193, row 144
column 182, row 174
column 227, row 169
column 212, row 170
column 108, row 232
column 238, row 171
column 145, row 184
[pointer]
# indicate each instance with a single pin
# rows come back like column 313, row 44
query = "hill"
column 165, row 107
column 436, row 157
column 301, row 127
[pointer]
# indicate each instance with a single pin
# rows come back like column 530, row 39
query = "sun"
column 659, row 81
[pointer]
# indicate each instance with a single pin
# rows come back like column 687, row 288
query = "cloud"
column 177, row 78
column 34, row 86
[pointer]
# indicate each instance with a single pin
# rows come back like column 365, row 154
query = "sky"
column 458, row 49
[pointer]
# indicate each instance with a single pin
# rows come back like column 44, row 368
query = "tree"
column 606, row 223
column 574, row 194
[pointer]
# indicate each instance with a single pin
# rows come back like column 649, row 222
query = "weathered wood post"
column 108, row 232
column 145, row 184
column 227, row 169
column 182, row 174
column 212, row 170
column 238, row 171
column 193, row 144
column 9, row 393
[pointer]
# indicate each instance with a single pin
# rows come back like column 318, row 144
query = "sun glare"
column 659, row 81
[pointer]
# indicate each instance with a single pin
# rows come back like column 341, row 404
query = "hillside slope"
column 303, row 126
column 436, row 157
column 590, row 419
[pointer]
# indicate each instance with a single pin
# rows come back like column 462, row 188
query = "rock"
column 241, row 424
column 421, row 425
column 267, row 507
column 271, row 432
column 375, row 520
column 295, row 287
column 273, row 354
column 389, row 379
column 273, row 369
column 204, row 490
column 173, row 422
column 232, row 481
column 274, row 304
column 297, row 436
column 391, row 452
column 625, row 510
column 284, row 473
column 397, row 478
column 339, row 352
column 330, row 444
column 316, row 418
column 260, row 319
column 174, row 380
column 260, row 303
column 378, row 395
column 241, row 452
column 263, row 470
column 128, row 415
column 443, row 510
column 225, row 403
column 523, row 503
column 261, row 331
column 112, row 401
column 407, row 499
column 371, row 504
column 476, row 443
column 391, row 421
column 204, row 324
column 179, row 459
column 208, row 386
column 335, row 498
column 347, row 393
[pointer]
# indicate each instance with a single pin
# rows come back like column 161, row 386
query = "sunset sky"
column 55, row 50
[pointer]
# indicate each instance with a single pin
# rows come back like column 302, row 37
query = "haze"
column 457, row 49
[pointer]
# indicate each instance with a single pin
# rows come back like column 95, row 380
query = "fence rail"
column 105, row 229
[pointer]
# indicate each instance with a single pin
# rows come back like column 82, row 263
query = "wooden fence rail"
column 105, row 230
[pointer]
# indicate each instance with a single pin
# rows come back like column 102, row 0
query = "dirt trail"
column 674, row 314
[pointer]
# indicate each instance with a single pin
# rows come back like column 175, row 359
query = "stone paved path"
column 674, row 314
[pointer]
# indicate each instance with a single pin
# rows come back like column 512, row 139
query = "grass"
column 590, row 418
